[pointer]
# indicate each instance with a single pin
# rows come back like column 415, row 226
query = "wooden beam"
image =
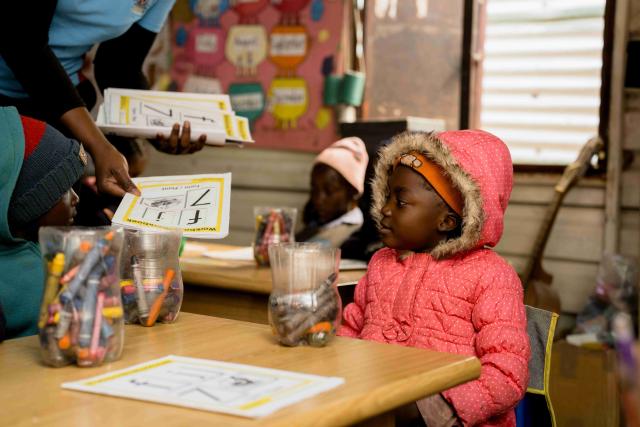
column 616, row 129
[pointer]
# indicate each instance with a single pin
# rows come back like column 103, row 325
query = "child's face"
column 330, row 193
column 63, row 212
column 414, row 215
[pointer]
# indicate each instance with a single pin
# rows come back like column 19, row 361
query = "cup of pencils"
column 304, row 305
column 273, row 225
column 81, row 317
column 151, row 284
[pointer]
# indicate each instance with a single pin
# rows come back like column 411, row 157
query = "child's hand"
column 437, row 412
column 179, row 142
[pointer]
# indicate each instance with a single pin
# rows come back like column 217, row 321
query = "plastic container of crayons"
column 81, row 316
column 151, row 282
column 273, row 225
column 304, row 305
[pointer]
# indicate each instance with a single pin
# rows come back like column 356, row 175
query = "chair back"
column 541, row 325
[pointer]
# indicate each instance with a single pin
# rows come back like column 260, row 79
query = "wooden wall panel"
column 576, row 234
column 574, row 281
column 251, row 167
column 634, row 19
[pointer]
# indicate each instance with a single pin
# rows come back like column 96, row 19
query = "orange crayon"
column 154, row 311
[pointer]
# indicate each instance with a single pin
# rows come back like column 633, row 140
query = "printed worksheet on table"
column 197, row 204
column 210, row 385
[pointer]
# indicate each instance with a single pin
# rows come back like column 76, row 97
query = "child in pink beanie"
column 337, row 181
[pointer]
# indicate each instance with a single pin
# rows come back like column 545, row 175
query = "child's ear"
column 448, row 223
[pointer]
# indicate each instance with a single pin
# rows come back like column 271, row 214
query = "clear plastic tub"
column 81, row 316
column 273, row 225
column 152, row 287
column 304, row 305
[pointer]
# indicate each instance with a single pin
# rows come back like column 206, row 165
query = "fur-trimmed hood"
column 479, row 165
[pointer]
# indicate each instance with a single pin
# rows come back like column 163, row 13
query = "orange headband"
column 435, row 176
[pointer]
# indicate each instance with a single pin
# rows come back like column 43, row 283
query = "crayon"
column 89, row 306
column 64, row 320
column 157, row 304
column 87, row 265
column 143, row 306
column 97, row 323
column 51, row 287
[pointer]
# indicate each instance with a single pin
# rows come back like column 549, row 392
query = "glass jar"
column 152, row 287
column 304, row 305
column 81, row 316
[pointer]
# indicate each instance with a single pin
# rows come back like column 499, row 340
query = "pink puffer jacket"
column 461, row 297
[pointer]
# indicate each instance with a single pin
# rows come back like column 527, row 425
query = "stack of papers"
column 147, row 113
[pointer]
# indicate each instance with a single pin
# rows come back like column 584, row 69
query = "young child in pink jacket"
column 439, row 203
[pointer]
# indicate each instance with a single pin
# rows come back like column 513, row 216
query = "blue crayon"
column 89, row 307
column 92, row 258
column 106, row 331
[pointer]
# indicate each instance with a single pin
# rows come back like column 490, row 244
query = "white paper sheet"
column 241, row 254
column 246, row 254
column 145, row 114
column 197, row 204
column 244, row 390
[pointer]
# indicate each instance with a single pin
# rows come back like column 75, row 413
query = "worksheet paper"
column 145, row 114
column 230, row 388
column 196, row 204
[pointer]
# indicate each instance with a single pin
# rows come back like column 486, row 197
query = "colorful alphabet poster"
column 270, row 56
column 197, row 204
column 244, row 390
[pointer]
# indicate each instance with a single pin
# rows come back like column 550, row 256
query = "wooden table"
column 231, row 289
column 378, row 378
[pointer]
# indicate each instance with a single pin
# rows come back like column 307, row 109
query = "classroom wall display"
column 270, row 56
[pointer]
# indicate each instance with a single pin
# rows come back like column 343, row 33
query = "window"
column 541, row 76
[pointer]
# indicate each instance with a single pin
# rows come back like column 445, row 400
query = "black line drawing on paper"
column 197, row 202
column 166, row 203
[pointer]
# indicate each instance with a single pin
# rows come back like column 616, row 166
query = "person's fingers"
column 108, row 213
column 198, row 144
column 125, row 182
column 174, row 139
column 110, row 186
column 185, row 138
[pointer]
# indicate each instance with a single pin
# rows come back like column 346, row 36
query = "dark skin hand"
column 179, row 143
column 112, row 170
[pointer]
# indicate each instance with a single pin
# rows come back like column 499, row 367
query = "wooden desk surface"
column 236, row 275
column 379, row 377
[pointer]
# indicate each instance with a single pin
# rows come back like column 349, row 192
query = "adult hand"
column 179, row 142
column 112, row 172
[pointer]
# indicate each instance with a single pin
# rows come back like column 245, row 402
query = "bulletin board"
column 270, row 56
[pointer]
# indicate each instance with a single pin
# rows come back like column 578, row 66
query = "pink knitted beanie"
column 349, row 157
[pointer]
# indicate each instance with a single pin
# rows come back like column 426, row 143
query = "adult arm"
column 24, row 46
column 118, row 64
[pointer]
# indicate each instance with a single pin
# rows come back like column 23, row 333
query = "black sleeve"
column 24, row 46
column 118, row 62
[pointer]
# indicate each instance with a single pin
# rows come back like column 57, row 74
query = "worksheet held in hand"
column 196, row 204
